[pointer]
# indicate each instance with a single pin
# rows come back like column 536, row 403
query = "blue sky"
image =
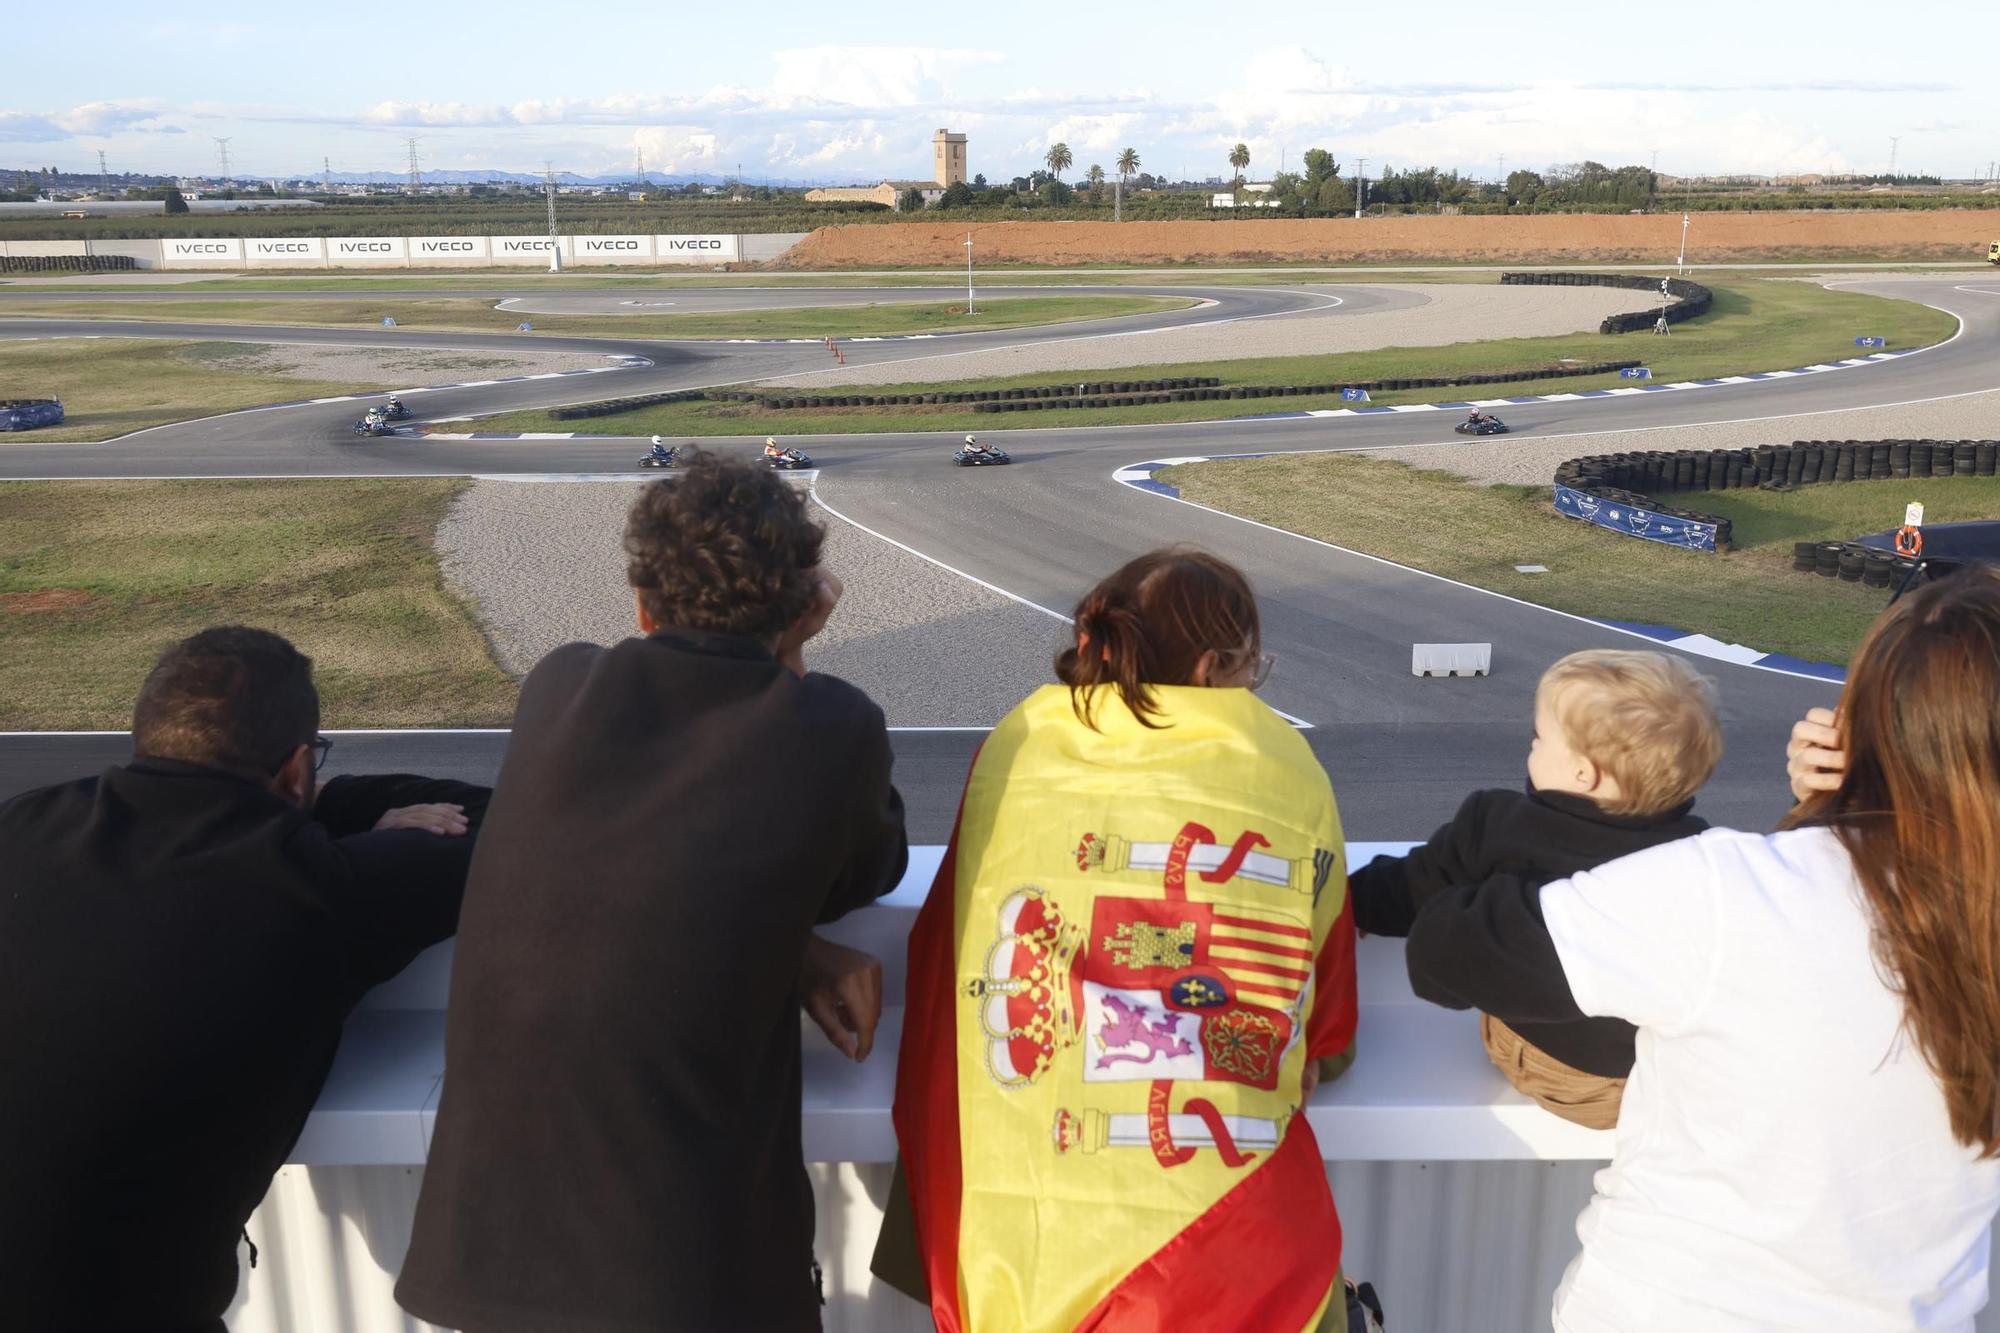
column 840, row 91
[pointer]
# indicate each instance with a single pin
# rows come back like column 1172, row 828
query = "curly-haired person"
column 618, row 1143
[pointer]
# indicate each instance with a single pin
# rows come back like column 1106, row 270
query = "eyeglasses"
column 321, row 747
column 1264, row 664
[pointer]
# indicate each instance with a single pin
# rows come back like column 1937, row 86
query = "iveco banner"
column 524, row 249
column 266, row 251
column 366, row 251
column 694, row 249
column 183, row 253
column 609, row 250
column 431, row 251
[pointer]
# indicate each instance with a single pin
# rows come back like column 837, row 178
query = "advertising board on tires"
column 366, row 251
column 216, row 252
column 694, row 249
column 433, row 251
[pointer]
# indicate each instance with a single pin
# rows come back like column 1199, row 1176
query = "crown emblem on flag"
column 1022, row 994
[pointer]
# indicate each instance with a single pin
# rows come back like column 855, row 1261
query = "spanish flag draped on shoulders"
column 1136, row 942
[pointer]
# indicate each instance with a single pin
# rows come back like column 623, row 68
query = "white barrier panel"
column 609, row 249
column 366, row 251
column 694, row 249
column 428, row 251
column 41, row 249
column 297, row 252
column 212, row 253
column 524, row 249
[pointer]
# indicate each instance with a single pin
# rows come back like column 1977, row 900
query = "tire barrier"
column 1628, row 480
column 610, row 405
column 1131, row 393
column 1690, row 298
column 67, row 263
column 28, row 413
column 1852, row 562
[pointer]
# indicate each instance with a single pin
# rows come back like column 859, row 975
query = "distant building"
column 948, row 157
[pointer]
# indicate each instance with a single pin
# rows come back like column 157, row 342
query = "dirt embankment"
column 1714, row 238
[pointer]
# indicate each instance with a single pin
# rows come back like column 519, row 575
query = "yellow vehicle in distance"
column 1993, row 253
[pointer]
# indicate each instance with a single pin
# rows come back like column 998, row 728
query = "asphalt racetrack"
column 1402, row 751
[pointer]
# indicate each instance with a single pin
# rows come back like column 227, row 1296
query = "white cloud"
column 869, row 76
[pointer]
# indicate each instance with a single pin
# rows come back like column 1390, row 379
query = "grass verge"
column 114, row 386
column 1750, row 596
column 467, row 315
column 1755, row 324
column 98, row 577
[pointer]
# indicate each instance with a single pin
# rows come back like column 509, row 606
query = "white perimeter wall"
column 315, row 252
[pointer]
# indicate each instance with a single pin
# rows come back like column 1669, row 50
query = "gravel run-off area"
column 1450, row 313
column 413, row 366
column 544, row 563
column 1525, row 461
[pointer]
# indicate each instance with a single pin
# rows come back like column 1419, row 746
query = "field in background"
column 113, row 386
column 1753, row 325
column 97, row 577
column 1750, row 596
column 1715, row 238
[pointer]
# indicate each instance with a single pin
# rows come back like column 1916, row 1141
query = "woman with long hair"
column 1811, row 1135
column 1134, row 953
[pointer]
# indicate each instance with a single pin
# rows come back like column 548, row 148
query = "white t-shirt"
column 1784, row 1158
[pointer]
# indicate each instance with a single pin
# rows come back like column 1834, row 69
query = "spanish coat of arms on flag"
column 1136, row 942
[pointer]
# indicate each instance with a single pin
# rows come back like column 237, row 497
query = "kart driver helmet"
column 969, row 440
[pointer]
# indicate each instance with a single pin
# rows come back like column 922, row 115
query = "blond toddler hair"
column 1647, row 719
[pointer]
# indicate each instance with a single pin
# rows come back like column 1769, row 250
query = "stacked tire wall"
column 611, row 405
column 67, row 263
column 1690, row 299
column 1633, row 478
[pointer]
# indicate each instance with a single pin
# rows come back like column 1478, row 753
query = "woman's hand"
column 1813, row 758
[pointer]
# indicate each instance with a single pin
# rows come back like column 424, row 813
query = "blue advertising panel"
column 1633, row 521
column 1635, row 373
column 1865, row 341
column 1354, row 395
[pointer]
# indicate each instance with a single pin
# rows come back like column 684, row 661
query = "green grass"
column 461, row 315
column 97, row 577
column 114, row 386
column 1755, row 324
column 1750, row 595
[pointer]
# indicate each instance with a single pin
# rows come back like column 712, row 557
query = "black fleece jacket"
column 1498, row 843
column 179, row 948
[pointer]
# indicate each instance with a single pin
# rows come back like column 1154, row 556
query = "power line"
column 416, row 168
column 103, row 176
column 222, row 151
column 326, row 167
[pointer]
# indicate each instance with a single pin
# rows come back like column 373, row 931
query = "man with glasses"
column 181, row 939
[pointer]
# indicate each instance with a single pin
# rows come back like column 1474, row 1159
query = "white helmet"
column 770, row 441
column 970, row 440
column 656, row 439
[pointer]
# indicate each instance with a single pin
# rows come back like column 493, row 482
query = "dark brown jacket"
column 618, row 1142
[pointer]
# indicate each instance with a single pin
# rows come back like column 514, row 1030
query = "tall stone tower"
column 949, row 152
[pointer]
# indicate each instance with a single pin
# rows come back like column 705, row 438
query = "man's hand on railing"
column 445, row 820
column 842, row 991
column 1813, row 759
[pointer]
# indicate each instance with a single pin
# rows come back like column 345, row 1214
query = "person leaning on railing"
column 1811, row 1135
column 181, row 939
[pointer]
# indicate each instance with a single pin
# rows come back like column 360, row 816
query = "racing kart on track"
column 395, row 409
column 980, row 456
column 1485, row 425
column 374, row 424
column 788, row 460
column 668, row 459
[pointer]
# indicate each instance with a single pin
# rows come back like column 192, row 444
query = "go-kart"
column 984, row 456
column 393, row 411
column 1483, row 426
column 671, row 457
column 374, row 424
column 788, row 460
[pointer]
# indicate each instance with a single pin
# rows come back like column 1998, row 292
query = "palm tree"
column 1095, row 176
column 1058, row 159
column 1239, row 158
column 1128, row 163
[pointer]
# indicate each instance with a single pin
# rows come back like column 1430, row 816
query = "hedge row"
column 67, row 263
column 611, row 405
column 1690, row 298
column 1134, row 393
column 1632, row 478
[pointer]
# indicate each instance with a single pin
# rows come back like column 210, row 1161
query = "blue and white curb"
column 1140, row 477
column 1581, row 395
